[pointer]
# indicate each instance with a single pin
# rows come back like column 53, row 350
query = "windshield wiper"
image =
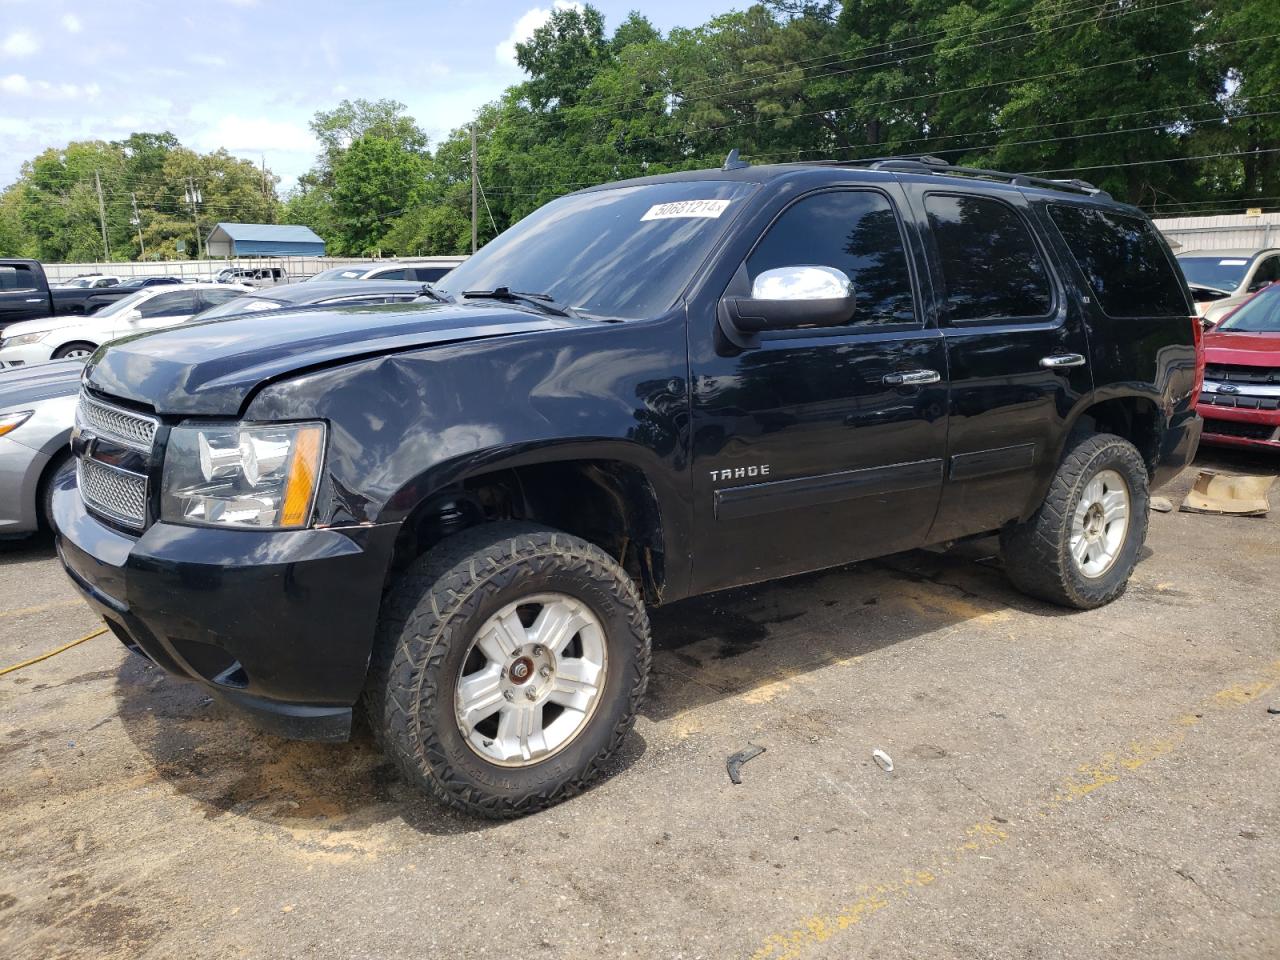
column 543, row 301
column 434, row 294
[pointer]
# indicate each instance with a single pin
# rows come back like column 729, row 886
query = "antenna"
column 733, row 161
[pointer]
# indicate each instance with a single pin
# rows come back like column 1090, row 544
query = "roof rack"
column 927, row 164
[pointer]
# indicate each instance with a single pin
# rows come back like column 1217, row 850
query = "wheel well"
column 46, row 477
column 1136, row 419
column 605, row 502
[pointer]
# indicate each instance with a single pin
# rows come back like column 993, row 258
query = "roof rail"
column 936, row 166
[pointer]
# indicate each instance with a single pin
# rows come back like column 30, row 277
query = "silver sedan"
column 37, row 412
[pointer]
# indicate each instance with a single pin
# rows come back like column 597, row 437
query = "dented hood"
column 212, row 368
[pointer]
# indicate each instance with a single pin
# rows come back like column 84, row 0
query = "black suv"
column 455, row 513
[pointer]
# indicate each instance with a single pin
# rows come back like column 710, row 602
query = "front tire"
column 1080, row 547
column 509, row 665
column 75, row 350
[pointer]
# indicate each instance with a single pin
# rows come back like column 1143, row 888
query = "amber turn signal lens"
column 304, row 472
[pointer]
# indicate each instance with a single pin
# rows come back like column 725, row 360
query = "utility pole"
column 193, row 198
column 137, row 222
column 265, row 204
column 475, row 210
column 102, row 217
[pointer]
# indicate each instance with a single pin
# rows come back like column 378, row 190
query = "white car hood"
column 48, row 324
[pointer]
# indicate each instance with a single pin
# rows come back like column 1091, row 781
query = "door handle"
column 912, row 378
column 1063, row 360
column 35, row 299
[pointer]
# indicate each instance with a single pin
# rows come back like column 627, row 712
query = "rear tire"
column 1080, row 547
column 478, row 698
column 78, row 349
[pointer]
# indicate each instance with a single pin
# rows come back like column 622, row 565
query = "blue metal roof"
column 269, row 232
column 264, row 240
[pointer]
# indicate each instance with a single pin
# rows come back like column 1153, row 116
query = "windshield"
column 238, row 305
column 340, row 273
column 626, row 252
column 1221, row 273
column 123, row 304
column 1259, row 315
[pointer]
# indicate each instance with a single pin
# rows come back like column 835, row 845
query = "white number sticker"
column 709, row 209
column 1232, row 263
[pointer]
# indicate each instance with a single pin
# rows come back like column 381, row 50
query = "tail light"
column 1197, row 327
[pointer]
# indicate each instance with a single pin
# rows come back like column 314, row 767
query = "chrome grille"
column 120, row 495
column 134, row 430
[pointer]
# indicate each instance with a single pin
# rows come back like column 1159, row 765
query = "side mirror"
column 792, row 298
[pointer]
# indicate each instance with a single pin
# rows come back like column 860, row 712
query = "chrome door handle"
column 912, row 378
column 35, row 299
column 1063, row 360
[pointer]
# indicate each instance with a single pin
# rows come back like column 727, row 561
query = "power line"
column 1239, row 154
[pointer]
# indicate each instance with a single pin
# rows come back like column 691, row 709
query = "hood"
column 20, row 386
column 44, row 324
column 1242, row 349
column 211, row 368
column 1215, row 311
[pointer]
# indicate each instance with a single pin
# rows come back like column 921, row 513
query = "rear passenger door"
column 1016, row 350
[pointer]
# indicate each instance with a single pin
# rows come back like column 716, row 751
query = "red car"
column 1240, row 402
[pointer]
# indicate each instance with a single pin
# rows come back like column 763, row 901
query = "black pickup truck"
column 456, row 513
column 25, row 294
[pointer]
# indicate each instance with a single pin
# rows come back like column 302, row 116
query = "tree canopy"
column 1170, row 104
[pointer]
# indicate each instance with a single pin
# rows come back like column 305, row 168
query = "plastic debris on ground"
column 1222, row 493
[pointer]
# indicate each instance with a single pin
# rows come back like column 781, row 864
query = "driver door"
column 815, row 447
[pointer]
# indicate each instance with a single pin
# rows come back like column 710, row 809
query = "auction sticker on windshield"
column 710, row 209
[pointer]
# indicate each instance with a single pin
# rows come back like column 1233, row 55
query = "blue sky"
column 248, row 74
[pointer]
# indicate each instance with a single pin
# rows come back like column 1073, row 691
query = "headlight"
column 12, row 421
column 22, row 339
column 242, row 475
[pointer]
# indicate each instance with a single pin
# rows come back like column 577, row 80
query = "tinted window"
column 389, row 275
column 177, row 304
column 212, row 298
column 1268, row 272
column 17, row 277
column 990, row 265
column 624, row 252
column 429, row 274
column 855, row 232
column 1124, row 262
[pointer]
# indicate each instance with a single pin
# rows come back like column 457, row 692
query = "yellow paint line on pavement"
column 1088, row 778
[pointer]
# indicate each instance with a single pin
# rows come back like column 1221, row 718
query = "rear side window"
column 991, row 266
column 1123, row 260
column 853, row 231
column 428, row 274
column 17, row 277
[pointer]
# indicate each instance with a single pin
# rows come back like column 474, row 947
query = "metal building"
column 1237, row 231
column 263, row 240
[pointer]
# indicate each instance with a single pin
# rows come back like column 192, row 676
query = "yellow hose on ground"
column 52, row 653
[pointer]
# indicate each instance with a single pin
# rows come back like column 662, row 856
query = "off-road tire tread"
column 1037, row 556
column 444, row 584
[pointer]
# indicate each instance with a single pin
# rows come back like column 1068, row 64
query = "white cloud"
column 207, row 60
column 523, row 28
column 16, row 83
column 71, row 23
column 20, row 43
column 254, row 135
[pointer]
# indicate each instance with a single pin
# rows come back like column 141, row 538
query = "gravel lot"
column 1065, row 785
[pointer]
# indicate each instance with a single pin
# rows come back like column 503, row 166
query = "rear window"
column 1123, row 260
column 17, row 277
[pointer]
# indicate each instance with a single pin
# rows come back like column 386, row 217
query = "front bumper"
column 278, row 623
column 25, row 355
column 1235, row 426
